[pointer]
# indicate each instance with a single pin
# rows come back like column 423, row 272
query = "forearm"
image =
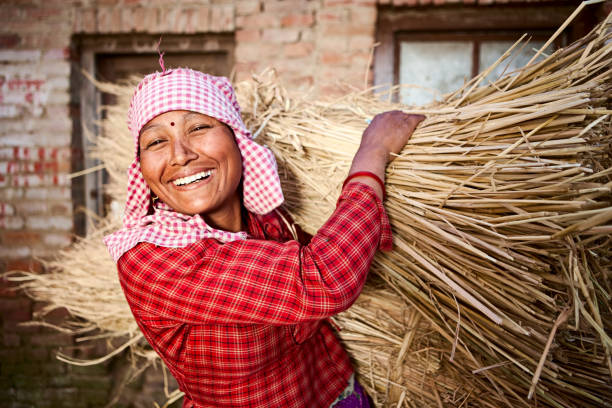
column 373, row 160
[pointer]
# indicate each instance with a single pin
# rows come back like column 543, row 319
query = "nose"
column 182, row 153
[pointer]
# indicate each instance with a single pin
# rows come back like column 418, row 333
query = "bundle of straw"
column 497, row 292
column 499, row 205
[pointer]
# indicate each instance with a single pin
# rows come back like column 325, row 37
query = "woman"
column 234, row 305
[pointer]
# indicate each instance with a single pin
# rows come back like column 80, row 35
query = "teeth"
column 192, row 178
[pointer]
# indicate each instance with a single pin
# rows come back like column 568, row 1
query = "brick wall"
column 312, row 44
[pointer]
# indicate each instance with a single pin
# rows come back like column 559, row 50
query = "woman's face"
column 192, row 163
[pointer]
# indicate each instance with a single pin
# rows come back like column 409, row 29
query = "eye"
column 200, row 127
column 153, row 143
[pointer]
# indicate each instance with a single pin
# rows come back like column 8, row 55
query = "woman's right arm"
column 256, row 281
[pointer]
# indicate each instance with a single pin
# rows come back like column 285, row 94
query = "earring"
column 154, row 198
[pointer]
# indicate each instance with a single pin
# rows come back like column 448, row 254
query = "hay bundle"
column 500, row 206
column 498, row 291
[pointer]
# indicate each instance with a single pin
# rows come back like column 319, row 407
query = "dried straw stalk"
column 498, row 290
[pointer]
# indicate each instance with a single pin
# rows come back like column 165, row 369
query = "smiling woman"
column 232, row 296
column 192, row 163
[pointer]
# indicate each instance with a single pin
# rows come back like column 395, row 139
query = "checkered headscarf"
column 186, row 89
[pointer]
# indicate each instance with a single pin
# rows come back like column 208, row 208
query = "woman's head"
column 187, row 123
column 191, row 162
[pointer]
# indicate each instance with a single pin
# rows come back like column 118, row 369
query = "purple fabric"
column 357, row 399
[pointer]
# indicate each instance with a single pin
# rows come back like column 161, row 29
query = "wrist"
column 373, row 154
column 369, row 178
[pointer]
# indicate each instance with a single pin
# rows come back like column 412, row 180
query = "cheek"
column 148, row 169
column 235, row 163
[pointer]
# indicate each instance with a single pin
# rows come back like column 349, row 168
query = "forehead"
column 175, row 116
column 179, row 115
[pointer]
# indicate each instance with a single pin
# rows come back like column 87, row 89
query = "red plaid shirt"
column 242, row 324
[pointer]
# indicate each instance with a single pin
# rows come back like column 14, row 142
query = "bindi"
column 171, row 123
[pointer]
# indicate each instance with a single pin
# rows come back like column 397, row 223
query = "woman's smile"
column 193, row 179
column 192, row 163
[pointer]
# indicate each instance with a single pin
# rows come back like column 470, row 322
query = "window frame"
column 457, row 20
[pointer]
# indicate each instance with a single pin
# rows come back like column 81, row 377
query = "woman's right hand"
column 389, row 132
column 386, row 135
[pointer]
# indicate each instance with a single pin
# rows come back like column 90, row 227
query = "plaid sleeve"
column 257, row 281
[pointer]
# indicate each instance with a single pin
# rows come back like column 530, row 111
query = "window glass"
column 433, row 68
column 490, row 51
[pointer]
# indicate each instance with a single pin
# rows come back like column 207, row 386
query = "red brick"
column 334, row 58
column 248, row 36
column 16, row 310
column 152, row 18
column 331, row 91
column 243, row 70
column 42, row 13
column 19, row 237
column 20, row 327
column 296, row 50
column 335, row 15
column 54, row 339
column 190, row 17
column 12, row 222
column 222, row 18
column 24, row 265
column 8, row 289
column 332, row 3
column 104, row 17
column 246, row 7
column 280, row 35
column 139, row 14
column 348, row 30
column 116, row 23
column 127, row 21
column 249, row 53
column 333, row 43
column 297, row 20
column 361, row 42
column 299, row 82
column 88, row 20
column 6, row 209
column 262, row 20
column 293, row 66
column 61, row 208
column 57, row 240
column 363, row 16
column 9, row 40
column 286, row 6
column 56, row 222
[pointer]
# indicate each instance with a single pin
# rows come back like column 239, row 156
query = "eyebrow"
column 147, row 127
column 189, row 115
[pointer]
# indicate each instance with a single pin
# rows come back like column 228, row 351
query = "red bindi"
column 171, row 123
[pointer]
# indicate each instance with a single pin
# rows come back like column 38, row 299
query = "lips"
column 192, row 179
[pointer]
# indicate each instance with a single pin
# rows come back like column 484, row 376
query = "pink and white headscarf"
column 186, row 89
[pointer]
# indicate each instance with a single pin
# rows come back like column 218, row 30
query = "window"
column 442, row 63
column 437, row 49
